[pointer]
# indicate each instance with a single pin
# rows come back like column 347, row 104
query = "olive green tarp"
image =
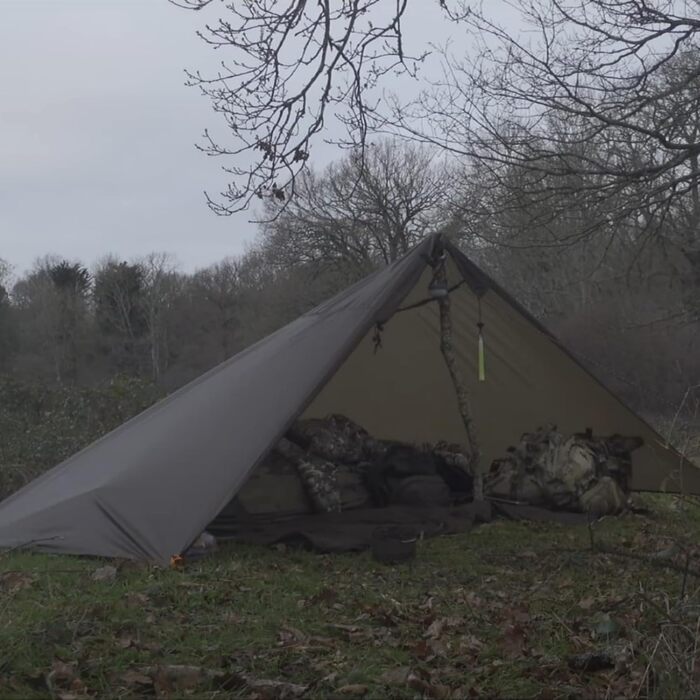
column 147, row 489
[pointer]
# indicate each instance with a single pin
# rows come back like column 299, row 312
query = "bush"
column 41, row 426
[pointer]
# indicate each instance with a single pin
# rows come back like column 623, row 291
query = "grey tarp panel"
column 404, row 391
column 147, row 489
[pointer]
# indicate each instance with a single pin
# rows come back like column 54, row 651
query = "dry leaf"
column 437, row 647
column 168, row 678
column 395, row 676
column 126, row 642
column 276, row 689
column 470, row 644
column 177, row 677
column 288, row 636
column 473, row 600
column 63, row 683
column 61, row 671
column 104, row 573
column 516, row 615
column 137, row 599
column 130, row 678
column 435, row 629
column 355, row 689
column 13, row 581
column 428, row 604
column 428, row 689
column 232, row 618
column 352, row 631
column 514, row 638
column 421, row 650
column 326, row 596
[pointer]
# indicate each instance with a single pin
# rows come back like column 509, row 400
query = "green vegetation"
column 498, row 611
column 43, row 425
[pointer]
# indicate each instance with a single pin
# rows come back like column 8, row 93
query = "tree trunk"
column 439, row 268
column 154, row 322
column 694, row 191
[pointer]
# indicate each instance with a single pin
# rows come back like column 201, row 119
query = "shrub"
column 41, row 426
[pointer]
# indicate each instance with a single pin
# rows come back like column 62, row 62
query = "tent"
column 147, row 489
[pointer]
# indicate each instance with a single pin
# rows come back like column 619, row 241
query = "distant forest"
column 627, row 304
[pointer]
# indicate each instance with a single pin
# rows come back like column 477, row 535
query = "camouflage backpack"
column 321, row 484
column 565, row 471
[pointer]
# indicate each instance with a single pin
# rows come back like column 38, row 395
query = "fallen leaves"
column 293, row 638
column 435, row 630
column 14, row 581
column 106, row 573
column 326, row 596
column 176, row 677
column 349, row 631
column 395, row 676
column 273, row 689
column 352, row 690
column 133, row 678
column 63, row 682
column 138, row 600
column 514, row 640
column 440, row 625
column 467, row 623
column 130, row 640
column 166, row 680
column 418, row 680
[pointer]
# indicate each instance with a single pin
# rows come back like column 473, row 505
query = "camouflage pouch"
column 501, row 480
column 564, row 472
column 605, row 498
column 321, row 485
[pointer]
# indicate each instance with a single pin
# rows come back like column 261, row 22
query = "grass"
column 495, row 612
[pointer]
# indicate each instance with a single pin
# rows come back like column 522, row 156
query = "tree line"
column 626, row 304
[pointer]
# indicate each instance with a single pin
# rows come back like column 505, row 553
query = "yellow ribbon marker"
column 481, row 362
column 482, row 358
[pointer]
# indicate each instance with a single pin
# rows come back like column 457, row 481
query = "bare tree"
column 361, row 211
column 119, row 311
column 219, row 288
column 51, row 305
column 288, row 69
column 70, row 285
column 5, row 272
column 160, row 284
column 596, row 99
column 8, row 328
column 623, row 76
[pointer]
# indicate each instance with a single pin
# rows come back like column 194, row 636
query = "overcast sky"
column 97, row 133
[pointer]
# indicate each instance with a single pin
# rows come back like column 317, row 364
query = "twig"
column 667, row 615
column 605, row 549
column 590, row 531
column 648, row 668
column 685, row 575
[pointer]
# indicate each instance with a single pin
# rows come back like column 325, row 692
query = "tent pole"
column 438, row 263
